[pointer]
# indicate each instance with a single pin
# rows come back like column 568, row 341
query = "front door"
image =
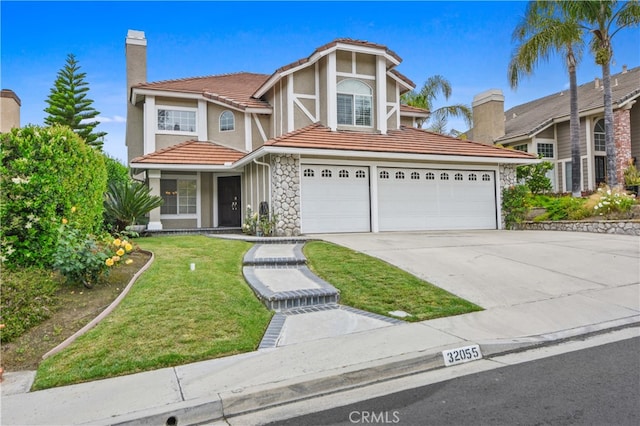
column 229, row 201
column 601, row 169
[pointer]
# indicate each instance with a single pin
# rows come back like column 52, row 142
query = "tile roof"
column 409, row 108
column 407, row 140
column 234, row 89
column 334, row 43
column 192, row 153
column 529, row 118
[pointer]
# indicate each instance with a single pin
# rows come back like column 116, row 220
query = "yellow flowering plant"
column 85, row 259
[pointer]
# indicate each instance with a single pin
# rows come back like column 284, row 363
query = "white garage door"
column 425, row 199
column 335, row 199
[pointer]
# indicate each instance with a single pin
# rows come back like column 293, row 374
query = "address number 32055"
column 460, row 355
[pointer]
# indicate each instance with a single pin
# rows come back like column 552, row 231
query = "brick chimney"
column 488, row 116
column 136, row 59
column 9, row 110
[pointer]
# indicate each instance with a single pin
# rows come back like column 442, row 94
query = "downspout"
column 268, row 166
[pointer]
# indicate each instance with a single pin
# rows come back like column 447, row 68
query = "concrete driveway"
column 508, row 268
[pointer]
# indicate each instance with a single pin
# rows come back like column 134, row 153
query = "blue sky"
column 467, row 42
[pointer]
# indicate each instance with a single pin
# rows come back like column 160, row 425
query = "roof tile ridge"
column 201, row 77
column 497, row 148
column 298, row 131
column 163, row 150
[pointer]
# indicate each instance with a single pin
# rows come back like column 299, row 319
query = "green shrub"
column 611, row 203
column 85, row 259
column 116, row 171
column 45, row 171
column 515, row 204
column 127, row 203
column 535, row 176
column 28, row 298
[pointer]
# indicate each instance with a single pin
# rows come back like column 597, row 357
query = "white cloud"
column 114, row 119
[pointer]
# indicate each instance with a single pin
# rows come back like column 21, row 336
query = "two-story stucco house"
column 541, row 126
column 323, row 140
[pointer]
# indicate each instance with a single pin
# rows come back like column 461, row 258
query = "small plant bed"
column 56, row 312
column 373, row 285
column 171, row 316
column 603, row 204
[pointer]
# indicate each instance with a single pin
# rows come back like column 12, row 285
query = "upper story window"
column 598, row 136
column 355, row 100
column 546, row 150
column 227, row 121
column 522, row 147
column 177, row 120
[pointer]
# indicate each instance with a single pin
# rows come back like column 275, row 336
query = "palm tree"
column 425, row 98
column 604, row 19
column 546, row 29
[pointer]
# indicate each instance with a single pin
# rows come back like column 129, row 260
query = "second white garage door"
column 335, row 199
column 426, row 199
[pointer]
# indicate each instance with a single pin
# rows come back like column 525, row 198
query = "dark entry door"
column 229, row 201
column 601, row 169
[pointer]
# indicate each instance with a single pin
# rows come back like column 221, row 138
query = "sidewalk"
column 210, row 390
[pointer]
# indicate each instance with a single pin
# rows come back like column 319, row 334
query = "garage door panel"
column 435, row 199
column 335, row 199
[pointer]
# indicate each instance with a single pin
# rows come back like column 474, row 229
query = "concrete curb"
column 104, row 313
column 256, row 398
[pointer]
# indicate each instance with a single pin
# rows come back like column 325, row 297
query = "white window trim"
column 373, row 107
column 548, row 142
column 176, row 108
column 220, row 122
column 195, row 215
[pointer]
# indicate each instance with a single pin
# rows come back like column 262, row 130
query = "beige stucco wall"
column 233, row 138
column 304, row 81
column 9, row 111
column 163, row 101
column 322, row 71
column 179, row 223
column 406, row 121
column 206, row 199
column 265, row 122
column 365, row 64
column 164, row 141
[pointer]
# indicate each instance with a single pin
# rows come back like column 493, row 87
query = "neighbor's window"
column 546, row 150
column 598, row 136
column 227, row 121
column 522, row 147
column 355, row 100
column 179, row 196
column 177, row 120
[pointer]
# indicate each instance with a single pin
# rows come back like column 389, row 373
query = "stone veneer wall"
column 285, row 181
column 507, row 179
column 623, row 227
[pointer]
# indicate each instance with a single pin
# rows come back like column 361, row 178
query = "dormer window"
column 355, row 100
column 227, row 121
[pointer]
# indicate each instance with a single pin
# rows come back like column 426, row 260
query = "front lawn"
column 373, row 285
column 171, row 316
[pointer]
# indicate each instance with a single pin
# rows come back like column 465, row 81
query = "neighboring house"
column 542, row 127
column 324, row 141
column 9, row 110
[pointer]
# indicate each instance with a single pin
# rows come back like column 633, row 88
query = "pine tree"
column 69, row 105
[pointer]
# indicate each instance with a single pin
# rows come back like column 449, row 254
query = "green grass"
column 171, row 316
column 373, row 285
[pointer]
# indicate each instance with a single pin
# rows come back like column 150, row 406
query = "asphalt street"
column 596, row 386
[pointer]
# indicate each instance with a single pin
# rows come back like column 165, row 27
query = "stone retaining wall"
column 624, row 227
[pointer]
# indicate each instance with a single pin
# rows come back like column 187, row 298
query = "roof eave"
column 391, row 155
column 315, row 56
column 183, row 167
